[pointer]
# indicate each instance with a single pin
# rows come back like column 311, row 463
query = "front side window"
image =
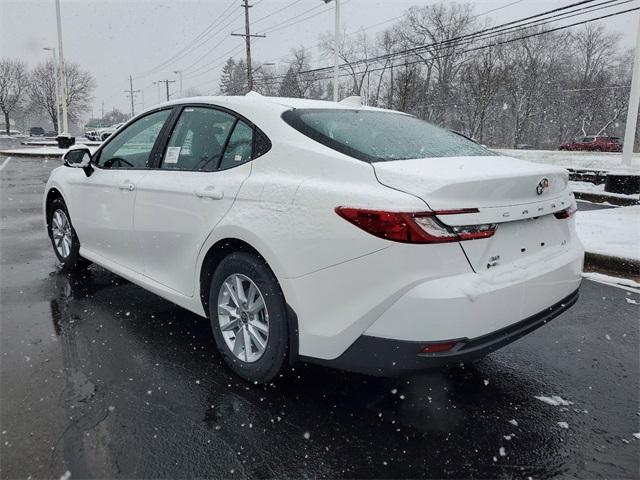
column 131, row 148
column 198, row 139
column 380, row 136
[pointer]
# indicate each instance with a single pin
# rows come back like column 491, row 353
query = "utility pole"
column 632, row 111
column 62, row 73
column 247, row 39
column 166, row 83
column 102, row 109
column 132, row 94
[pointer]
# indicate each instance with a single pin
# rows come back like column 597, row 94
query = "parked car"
column 594, row 143
column 105, row 133
column 349, row 236
column 36, row 132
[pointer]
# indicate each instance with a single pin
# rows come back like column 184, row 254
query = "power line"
column 489, row 45
column 181, row 53
column 490, row 32
column 277, row 11
column 389, row 20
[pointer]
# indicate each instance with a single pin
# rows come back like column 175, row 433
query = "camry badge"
column 542, row 186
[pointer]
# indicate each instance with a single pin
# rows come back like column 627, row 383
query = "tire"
column 67, row 247
column 248, row 322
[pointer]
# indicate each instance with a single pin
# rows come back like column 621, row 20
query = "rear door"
column 201, row 169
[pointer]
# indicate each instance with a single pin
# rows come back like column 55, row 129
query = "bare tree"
column 13, row 85
column 352, row 48
column 80, row 87
column 531, row 63
column 481, row 80
column 437, row 30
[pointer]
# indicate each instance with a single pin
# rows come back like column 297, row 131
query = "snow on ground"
column 623, row 283
column 588, row 187
column 554, row 400
column 611, row 231
column 581, row 160
column 50, row 152
column 45, row 142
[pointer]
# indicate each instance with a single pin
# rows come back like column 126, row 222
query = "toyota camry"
column 350, row 236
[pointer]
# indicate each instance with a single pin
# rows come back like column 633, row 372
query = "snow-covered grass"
column 576, row 160
column 588, row 187
column 611, row 231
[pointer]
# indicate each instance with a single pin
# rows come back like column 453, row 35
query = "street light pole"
column 62, row 73
column 634, row 101
column 336, row 58
column 179, row 73
column 56, row 73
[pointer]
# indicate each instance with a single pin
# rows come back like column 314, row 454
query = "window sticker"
column 238, row 158
column 172, row 154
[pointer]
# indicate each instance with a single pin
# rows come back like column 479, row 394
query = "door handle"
column 209, row 192
column 127, row 185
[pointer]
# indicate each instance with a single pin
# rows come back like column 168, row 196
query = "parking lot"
column 101, row 378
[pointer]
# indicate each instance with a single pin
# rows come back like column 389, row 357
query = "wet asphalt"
column 102, row 379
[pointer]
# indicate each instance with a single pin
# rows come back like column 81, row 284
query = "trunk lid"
column 519, row 196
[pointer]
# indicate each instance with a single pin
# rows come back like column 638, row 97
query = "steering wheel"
column 120, row 162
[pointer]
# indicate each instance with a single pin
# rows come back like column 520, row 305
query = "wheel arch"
column 215, row 254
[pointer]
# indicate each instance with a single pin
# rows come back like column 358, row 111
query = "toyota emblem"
column 543, row 184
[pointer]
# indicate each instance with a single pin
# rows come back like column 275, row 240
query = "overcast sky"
column 115, row 38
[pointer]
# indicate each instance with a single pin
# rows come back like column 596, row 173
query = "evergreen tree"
column 233, row 80
column 289, row 86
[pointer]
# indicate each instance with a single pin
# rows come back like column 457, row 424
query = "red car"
column 594, row 144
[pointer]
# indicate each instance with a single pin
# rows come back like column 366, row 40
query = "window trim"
column 152, row 154
column 173, row 120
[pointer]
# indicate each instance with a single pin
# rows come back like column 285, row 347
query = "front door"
column 103, row 203
column 178, row 205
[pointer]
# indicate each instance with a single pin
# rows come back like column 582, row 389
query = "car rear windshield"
column 375, row 136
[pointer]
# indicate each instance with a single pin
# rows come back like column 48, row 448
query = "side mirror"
column 79, row 156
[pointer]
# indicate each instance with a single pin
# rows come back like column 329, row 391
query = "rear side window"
column 380, row 136
column 198, row 139
column 239, row 147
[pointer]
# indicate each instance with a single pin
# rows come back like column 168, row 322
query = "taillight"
column 414, row 227
column 566, row 213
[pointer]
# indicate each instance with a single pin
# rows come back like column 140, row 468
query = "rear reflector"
column 437, row 347
column 414, row 227
column 566, row 213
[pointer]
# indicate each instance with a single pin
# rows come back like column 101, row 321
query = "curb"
column 622, row 265
column 16, row 153
column 600, row 198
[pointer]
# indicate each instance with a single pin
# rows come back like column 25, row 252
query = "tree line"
column 34, row 91
column 532, row 87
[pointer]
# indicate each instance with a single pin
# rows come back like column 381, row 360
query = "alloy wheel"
column 243, row 317
column 61, row 232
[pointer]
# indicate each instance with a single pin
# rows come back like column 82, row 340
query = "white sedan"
column 348, row 236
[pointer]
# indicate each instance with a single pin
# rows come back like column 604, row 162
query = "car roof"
column 277, row 104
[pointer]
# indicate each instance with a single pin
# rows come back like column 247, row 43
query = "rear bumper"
column 388, row 357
